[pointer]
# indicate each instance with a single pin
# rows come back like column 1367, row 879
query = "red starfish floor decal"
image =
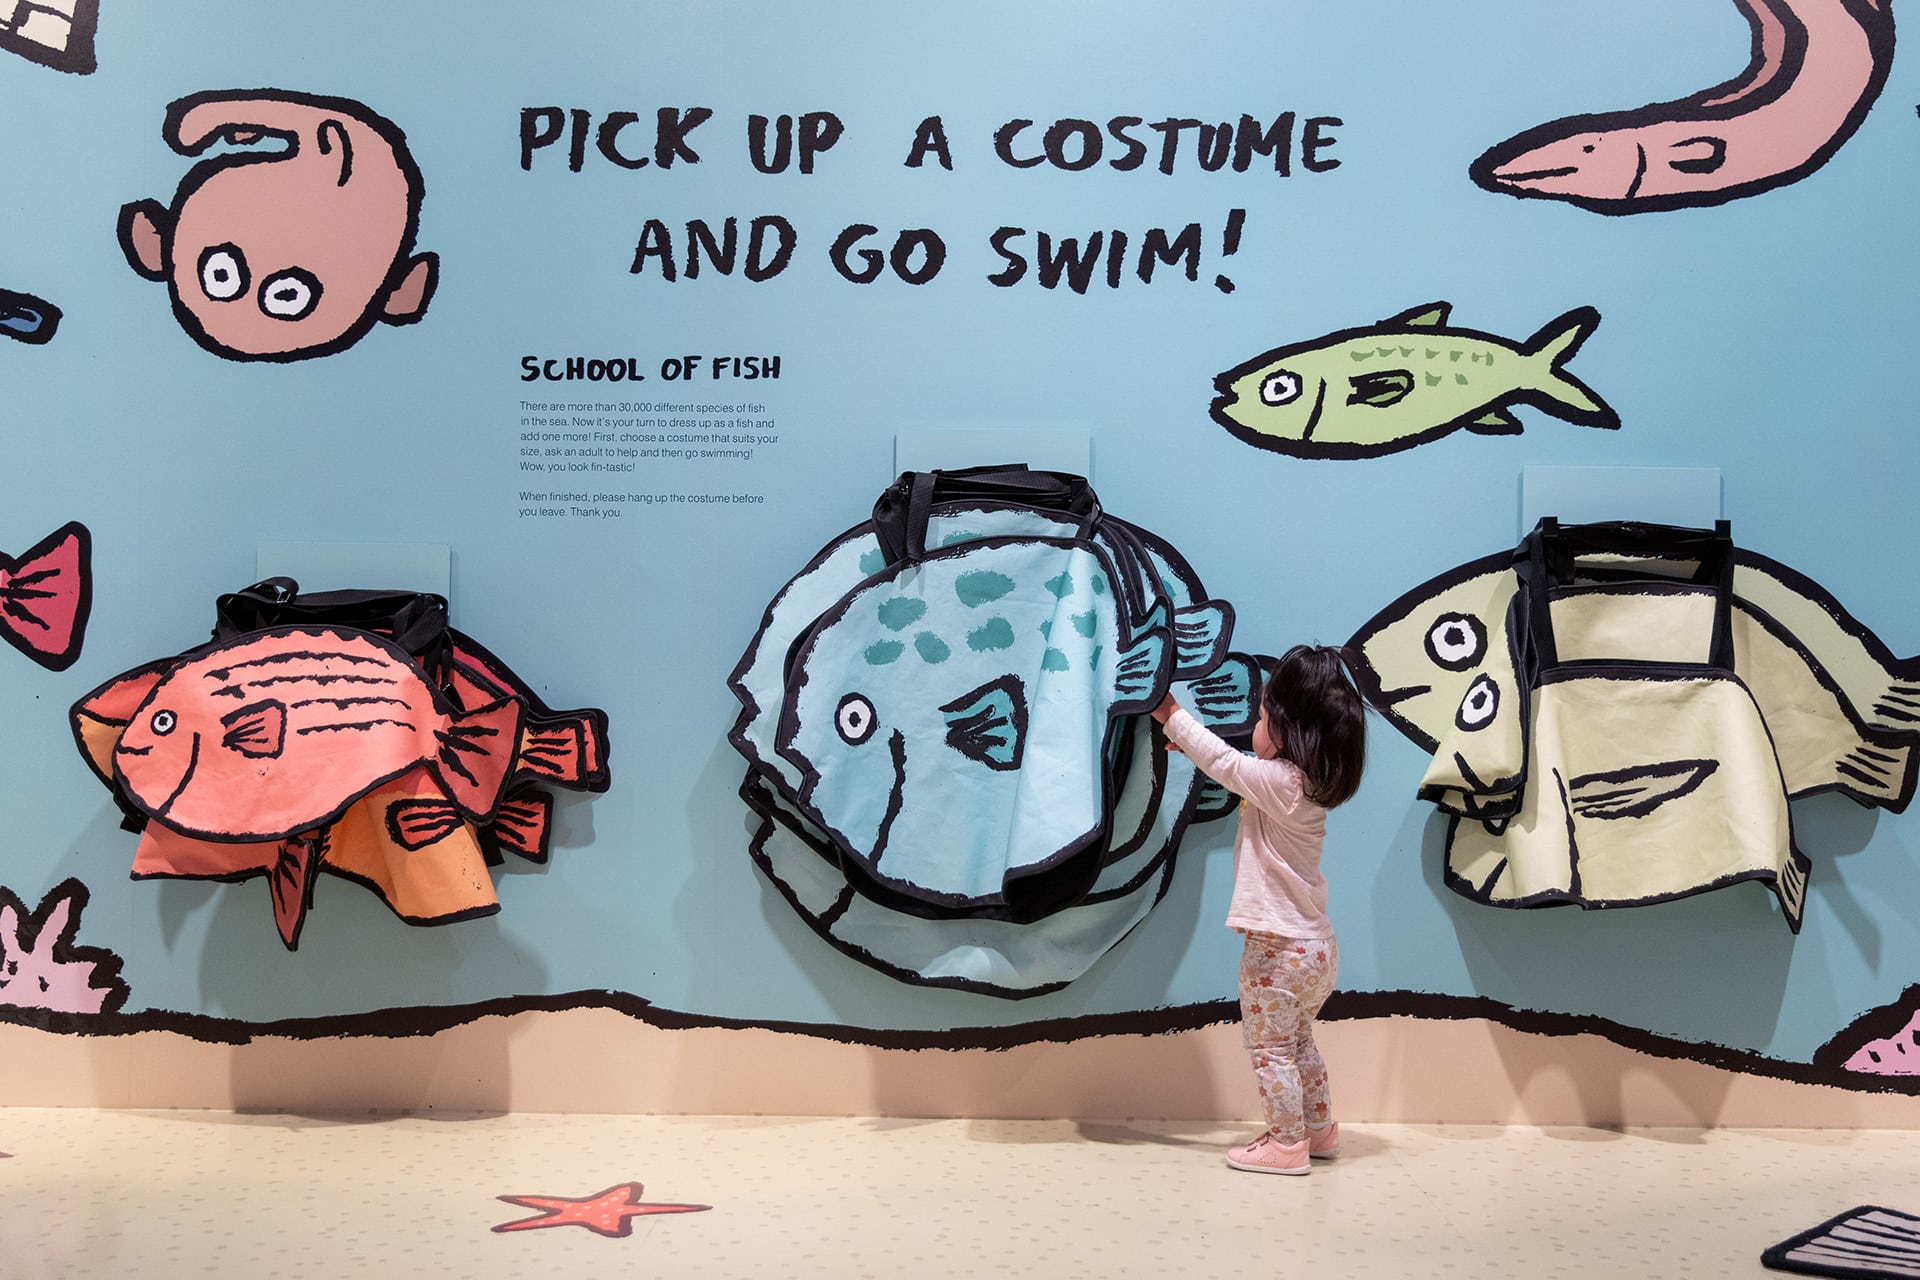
column 611, row 1213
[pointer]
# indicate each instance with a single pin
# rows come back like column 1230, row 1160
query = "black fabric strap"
column 1549, row 557
column 901, row 514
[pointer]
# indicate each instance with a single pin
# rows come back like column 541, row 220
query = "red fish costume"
column 295, row 749
column 282, row 731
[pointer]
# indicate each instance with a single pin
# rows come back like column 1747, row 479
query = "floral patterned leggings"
column 1283, row 983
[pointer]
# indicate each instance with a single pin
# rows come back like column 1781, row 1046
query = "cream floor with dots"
column 98, row 1193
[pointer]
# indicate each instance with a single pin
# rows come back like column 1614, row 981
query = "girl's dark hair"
column 1318, row 721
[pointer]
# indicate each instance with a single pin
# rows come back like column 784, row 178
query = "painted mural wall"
column 611, row 324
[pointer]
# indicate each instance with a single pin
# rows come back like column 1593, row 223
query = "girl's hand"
column 1164, row 712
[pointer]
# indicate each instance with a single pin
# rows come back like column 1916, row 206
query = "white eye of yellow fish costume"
column 1645, row 702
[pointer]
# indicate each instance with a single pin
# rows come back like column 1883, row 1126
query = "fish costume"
column 1381, row 388
column 1619, row 713
column 405, row 758
column 956, row 855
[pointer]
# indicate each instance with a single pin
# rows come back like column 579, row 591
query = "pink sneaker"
column 1267, row 1154
column 1324, row 1143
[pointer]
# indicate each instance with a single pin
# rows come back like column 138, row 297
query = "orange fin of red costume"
column 415, row 824
column 522, row 825
column 291, row 880
column 476, row 756
column 258, row 731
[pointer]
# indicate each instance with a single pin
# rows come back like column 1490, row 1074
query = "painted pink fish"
column 45, row 597
column 279, row 732
column 1816, row 69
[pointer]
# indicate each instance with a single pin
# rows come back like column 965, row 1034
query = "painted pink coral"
column 1894, row 1055
column 40, row 968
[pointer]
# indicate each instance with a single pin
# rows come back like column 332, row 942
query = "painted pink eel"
column 1816, row 69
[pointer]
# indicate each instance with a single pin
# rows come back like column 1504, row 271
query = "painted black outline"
column 43, row 318
column 1717, row 105
column 427, row 1020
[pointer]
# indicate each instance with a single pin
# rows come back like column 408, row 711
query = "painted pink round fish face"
column 289, row 253
column 279, row 732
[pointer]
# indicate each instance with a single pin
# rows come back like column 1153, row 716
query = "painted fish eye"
column 1480, row 706
column 223, row 272
column 163, row 722
column 1456, row 641
column 855, row 719
column 1282, row 386
column 290, row 295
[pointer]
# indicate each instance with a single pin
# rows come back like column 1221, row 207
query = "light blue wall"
column 1772, row 338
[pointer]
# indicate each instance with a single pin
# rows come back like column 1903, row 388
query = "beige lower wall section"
column 1396, row 1069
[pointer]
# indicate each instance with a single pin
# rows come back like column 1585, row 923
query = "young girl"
column 1309, row 750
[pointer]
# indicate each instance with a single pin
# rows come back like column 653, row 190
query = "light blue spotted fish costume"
column 957, row 782
column 919, row 702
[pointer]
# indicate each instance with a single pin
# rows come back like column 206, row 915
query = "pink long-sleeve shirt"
column 1277, row 885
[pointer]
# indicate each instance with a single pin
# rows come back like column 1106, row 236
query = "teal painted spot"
column 931, row 647
column 1053, row 660
column 901, row 612
column 1046, row 628
column 996, row 634
column 1062, row 586
column 873, row 561
column 964, row 535
column 982, row 586
column 881, row 652
column 1099, row 584
column 1086, row 623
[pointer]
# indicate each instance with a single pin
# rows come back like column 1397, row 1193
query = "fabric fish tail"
column 290, row 880
column 1140, row 675
column 1548, row 351
column 476, row 756
column 571, row 751
column 1896, row 709
column 414, row 824
column 1200, row 634
column 1881, row 775
column 1226, row 701
column 522, row 825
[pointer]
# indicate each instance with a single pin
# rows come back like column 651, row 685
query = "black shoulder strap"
column 414, row 620
column 1548, row 557
column 900, row 516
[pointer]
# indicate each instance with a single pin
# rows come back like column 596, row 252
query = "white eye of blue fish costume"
column 1620, row 713
column 957, row 780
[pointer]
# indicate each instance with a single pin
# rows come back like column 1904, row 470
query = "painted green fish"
column 1382, row 388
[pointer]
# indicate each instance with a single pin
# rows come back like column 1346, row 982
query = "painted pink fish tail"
column 45, row 597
